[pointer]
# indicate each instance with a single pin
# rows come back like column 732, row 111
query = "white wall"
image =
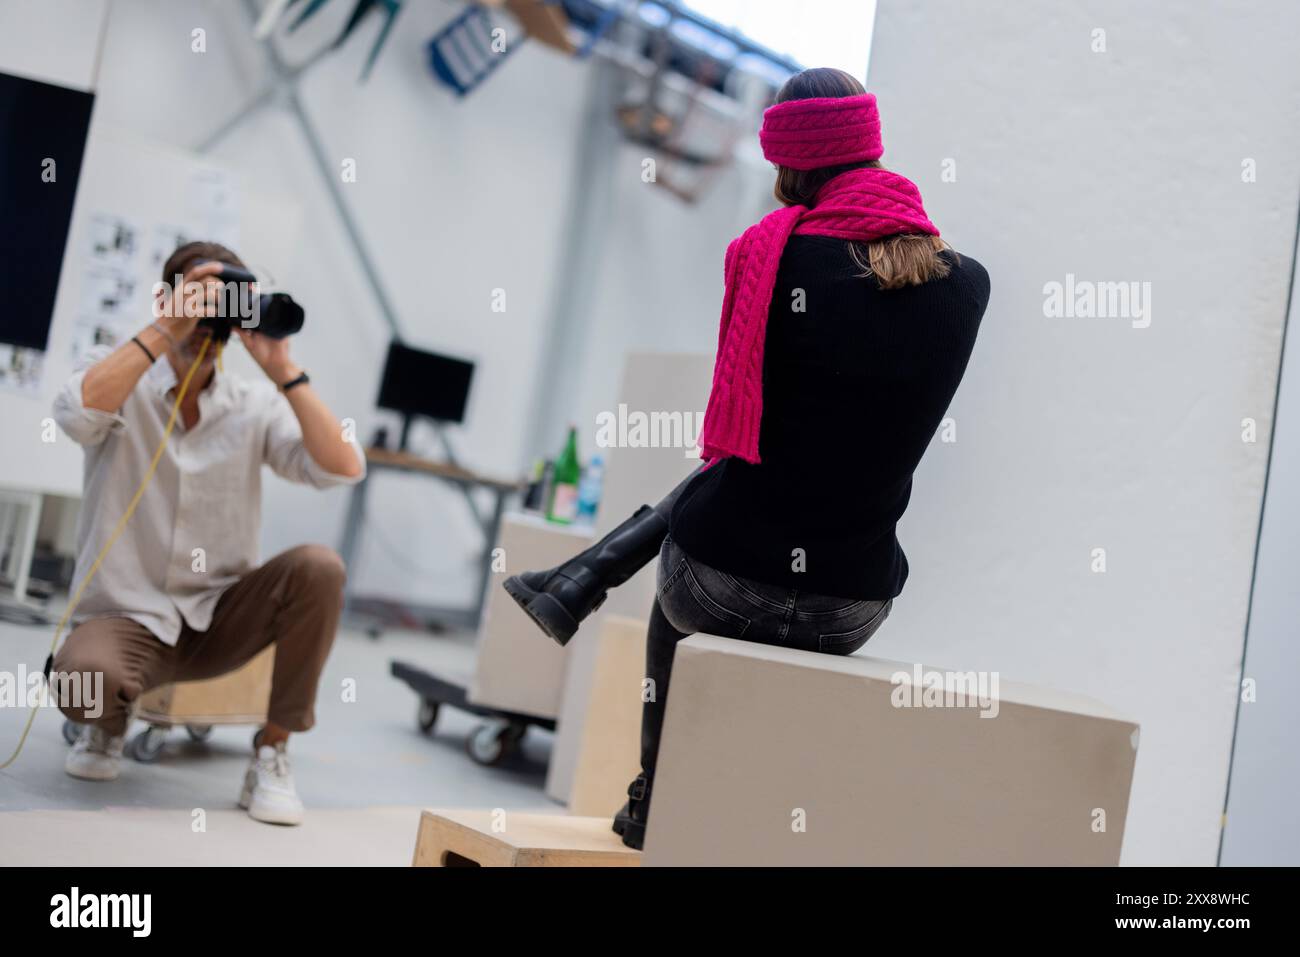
column 651, row 293
column 1082, row 433
column 456, row 198
column 1261, row 826
column 53, row 42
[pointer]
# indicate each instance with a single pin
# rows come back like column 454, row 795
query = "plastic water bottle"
column 589, row 490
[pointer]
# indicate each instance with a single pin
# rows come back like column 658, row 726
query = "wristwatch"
column 302, row 377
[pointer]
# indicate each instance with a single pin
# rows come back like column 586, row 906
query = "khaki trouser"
column 293, row 601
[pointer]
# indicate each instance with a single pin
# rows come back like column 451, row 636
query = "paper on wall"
column 20, row 369
column 124, row 259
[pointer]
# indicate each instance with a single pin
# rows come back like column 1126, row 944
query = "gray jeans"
column 693, row 597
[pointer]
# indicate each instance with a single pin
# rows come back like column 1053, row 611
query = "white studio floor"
column 364, row 772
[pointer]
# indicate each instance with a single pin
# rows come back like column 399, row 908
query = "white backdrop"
column 1075, row 434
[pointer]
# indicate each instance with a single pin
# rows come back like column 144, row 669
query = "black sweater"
column 854, row 389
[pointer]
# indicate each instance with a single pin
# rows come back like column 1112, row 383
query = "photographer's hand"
column 108, row 382
column 179, row 309
column 322, row 434
column 272, row 355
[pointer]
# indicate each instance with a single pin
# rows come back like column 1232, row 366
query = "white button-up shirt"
column 197, row 527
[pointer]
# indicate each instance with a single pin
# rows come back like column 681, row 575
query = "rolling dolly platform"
column 492, row 742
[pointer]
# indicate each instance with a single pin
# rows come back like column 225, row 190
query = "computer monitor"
column 40, row 162
column 426, row 384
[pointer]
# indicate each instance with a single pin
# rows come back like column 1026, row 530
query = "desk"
column 382, row 460
column 20, row 514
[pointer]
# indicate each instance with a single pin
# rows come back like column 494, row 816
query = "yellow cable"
column 117, row 531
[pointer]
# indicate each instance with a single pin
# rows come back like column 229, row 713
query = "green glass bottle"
column 563, row 504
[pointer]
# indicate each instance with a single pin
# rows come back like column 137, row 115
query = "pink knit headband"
column 822, row 131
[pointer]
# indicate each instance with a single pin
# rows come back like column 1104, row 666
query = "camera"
column 273, row 314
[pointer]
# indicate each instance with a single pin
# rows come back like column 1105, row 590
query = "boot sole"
column 543, row 609
column 633, row 835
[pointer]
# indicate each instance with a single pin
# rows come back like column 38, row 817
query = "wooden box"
column 479, row 838
column 240, row 697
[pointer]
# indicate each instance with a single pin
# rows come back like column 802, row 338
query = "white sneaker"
column 269, row 794
column 96, row 755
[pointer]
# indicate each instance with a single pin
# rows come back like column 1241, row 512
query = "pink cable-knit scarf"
column 861, row 204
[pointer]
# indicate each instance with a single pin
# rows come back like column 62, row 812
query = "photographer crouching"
column 181, row 596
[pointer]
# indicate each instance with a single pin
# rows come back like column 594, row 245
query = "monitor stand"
column 439, row 426
column 381, row 612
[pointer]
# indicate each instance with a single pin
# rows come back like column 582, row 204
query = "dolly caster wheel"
column 491, row 744
column 427, row 715
column 147, row 745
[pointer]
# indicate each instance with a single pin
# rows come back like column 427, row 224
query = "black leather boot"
column 558, row 599
column 631, row 819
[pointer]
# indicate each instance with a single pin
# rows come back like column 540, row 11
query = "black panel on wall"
column 40, row 122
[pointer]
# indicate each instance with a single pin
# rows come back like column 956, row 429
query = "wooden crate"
column 466, row 838
column 775, row 757
column 239, row 697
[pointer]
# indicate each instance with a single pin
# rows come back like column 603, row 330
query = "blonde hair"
column 908, row 259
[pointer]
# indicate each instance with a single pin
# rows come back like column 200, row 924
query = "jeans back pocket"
column 694, row 600
column 854, row 630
